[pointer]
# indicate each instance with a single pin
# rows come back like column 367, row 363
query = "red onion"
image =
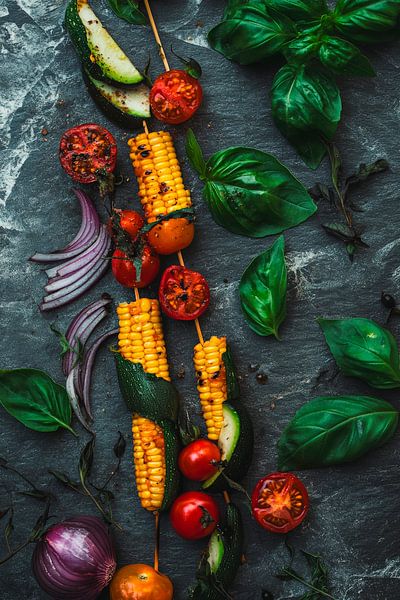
column 86, row 235
column 75, row 559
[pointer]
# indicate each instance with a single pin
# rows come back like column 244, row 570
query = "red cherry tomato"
column 279, row 502
column 184, row 294
column 87, row 152
column 124, row 269
column 129, row 221
column 194, row 515
column 197, row 458
column 175, row 96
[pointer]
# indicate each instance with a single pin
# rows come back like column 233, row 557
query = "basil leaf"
column 363, row 349
column 195, row 154
column 251, row 193
column 34, row 399
column 251, row 33
column 306, row 107
column 367, row 21
column 334, row 430
column 302, row 48
column 263, row 290
column 128, row 10
column 300, row 9
column 344, row 58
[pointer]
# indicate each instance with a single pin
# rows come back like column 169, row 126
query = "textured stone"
column 353, row 519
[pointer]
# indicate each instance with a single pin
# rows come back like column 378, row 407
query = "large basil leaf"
column 128, row 10
column 251, row 193
column 344, row 58
column 302, row 48
column 363, row 349
column 334, row 430
column 306, row 107
column 251, row 34
column 300, row 10
column 367, row 20
column 34, row 399
column 263, row 290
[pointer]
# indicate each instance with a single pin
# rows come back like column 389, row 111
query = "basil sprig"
column 128, row 10
column 334, row 430
column 34, row 399
column 364, row 349
column 263, row 290
column 318, row 44
column 249, row 192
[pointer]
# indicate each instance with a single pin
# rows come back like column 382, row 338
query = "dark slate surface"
column 353, row 520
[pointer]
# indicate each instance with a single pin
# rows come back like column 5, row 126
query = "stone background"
column 353, row 519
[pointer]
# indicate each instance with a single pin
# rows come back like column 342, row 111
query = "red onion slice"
column 79, row 261
column 87, row 369
column 86, row 235
column 74, row 291
column 97, row 251
column 71, row 388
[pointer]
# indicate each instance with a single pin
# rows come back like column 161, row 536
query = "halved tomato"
column 184, row 294
column 280, row 502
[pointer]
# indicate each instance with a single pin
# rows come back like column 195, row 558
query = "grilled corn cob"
column 211, row 382
column 161, row 187
column 141, row 340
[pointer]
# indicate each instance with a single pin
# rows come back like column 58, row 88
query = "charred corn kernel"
column 141, row 340
column 161, row 188
column 211, row 382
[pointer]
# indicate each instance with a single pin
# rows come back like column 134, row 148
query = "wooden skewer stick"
column 137, row 297
column 157, row 541
column 157, row 35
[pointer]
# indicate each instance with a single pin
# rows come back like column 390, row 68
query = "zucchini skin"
column 157, row 400
column 108, row 109
column 232, row 536
column 240, row 461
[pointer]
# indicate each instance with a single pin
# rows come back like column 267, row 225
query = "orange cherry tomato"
column 171, row 235
column 140, row 582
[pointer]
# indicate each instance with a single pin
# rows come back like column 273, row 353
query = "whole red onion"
column 75, row 559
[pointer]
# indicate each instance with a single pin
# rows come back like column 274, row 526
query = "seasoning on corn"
column 161, row 190
column 211, row 382
column 141, row 340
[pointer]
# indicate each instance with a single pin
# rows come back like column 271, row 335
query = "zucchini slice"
column 126, row 106
column 100, row 54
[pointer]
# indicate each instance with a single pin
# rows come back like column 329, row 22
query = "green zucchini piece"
column 157, row 400
column 126, row 106
column 100, row 54
column 221, row 560
column 236, row 440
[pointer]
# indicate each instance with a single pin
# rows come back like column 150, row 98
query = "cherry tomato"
column 194, row 515
column 171, row 235
column 87, row 152
column 184, row 294
column 175, row 96
column 129, row 221
column 124, row 269
column 140, row 582
column 280, row 502
column 196, row 460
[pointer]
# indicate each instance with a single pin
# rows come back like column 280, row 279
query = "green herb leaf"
column 120, row 446
column 263, row 290
column 251, row 33
column 319, row 576
column 34, row 399
column 306, row 107
column 128, row 10
column 300, row 10
column 334, row 430
column 86, row 460
column 195, row 154
column 343, row 58
column 363, row 349
column 302, row 48
column 188, row 431
column 251, row 193
column 367, row 21
column 65, row 480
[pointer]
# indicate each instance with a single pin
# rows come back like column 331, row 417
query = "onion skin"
column 75, row 559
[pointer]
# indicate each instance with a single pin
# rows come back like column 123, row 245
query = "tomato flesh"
column 194, row 515
column 196, row 460
column 124, row 270
column 184, row 294
column 87, row 152
column 175, row 96
column 280, row 502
